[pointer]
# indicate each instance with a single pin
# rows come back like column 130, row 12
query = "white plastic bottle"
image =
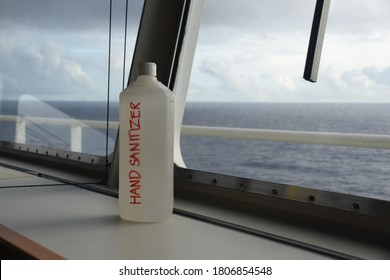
column 146, row 117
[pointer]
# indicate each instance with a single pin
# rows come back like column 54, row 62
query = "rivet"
column 355, row 207
column 311, row 199
column 241, row 187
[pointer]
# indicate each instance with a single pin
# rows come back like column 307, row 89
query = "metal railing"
column 371, row 141
column 302, row 137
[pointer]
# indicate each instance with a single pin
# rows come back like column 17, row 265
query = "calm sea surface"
column 348, row 170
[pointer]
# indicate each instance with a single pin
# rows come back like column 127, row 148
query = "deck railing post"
column 76, row 138
column 20, row 130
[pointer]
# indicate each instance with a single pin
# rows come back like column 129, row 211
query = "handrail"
column 372, row 141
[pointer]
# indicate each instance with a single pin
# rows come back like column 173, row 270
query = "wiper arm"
column 316, row 40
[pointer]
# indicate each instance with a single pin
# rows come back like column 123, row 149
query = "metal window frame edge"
column 349, row 213
column 55, row 158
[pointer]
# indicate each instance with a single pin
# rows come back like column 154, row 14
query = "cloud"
column 367, row 84
column 257, row 15
column 256, row 51
column 59, row 49
column 380, row 76
column 358, row 16
column 66, row 16
column 47, row 70
column 221, row 80
column 268, row 16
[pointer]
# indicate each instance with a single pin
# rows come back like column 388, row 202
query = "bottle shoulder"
column 146, row 85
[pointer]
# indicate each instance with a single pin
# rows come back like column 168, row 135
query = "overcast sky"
column 256, row 50
column 59, row 49
column 249, row 51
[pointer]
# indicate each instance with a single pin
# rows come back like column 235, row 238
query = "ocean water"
column 356, row 171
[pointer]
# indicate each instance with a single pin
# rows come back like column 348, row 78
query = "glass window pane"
column 248, row 73
column 54, row 73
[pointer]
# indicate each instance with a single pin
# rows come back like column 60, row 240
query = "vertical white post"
column 75, row 138
column 20, row 130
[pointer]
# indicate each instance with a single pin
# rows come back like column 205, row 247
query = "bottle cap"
column 147, row 68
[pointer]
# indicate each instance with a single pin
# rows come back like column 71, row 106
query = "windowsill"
column 80, row 224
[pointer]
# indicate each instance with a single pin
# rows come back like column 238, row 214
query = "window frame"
column 176, row 24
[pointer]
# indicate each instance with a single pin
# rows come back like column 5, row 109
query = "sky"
column 255, row 51
column 247, row 51
column 59, row 49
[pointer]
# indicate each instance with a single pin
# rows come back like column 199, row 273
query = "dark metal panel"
column 158, row 37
